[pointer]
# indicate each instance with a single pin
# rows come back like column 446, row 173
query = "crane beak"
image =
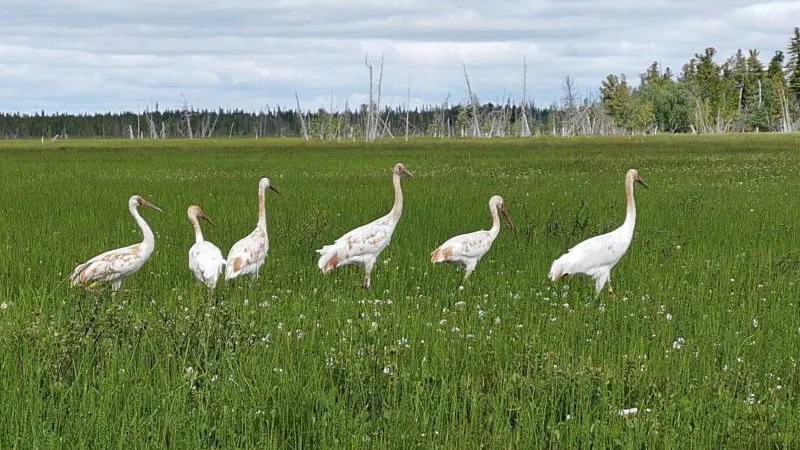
column 208, row 219
column 150, row 205
column 641, row 181
column 405, row 171
column 272, row 188
column 505, row 216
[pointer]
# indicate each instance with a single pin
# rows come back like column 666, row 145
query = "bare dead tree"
column 138, row 128
column 378, row 102
column 187, row 116
column 786, row 121
column 302, row 119
column 408, row 101
column 524, row 128
column 151, row 125
column 368, row 129
column 473, row 102
column 385, row 122
column 214, row 125
column 569, row 102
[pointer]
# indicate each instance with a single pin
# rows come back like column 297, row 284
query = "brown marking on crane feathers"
column 441, row 254
column 237, row 264
column 332, row 263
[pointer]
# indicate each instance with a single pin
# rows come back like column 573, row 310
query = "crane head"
column 400, row 169
column 633, row 176
column 497, row 202
column 197, row 212
column 137, row 200
column 265, row 183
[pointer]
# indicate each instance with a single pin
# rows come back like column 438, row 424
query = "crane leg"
column 468, row 269
column 368, row 274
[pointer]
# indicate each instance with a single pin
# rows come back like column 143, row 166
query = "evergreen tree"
column 793, row 84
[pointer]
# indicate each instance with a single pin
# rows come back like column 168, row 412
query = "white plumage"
column 363, row 245
column 247, row 255
column 205, row 258
column 114, row 266
column 468, row 249
column 596, row 256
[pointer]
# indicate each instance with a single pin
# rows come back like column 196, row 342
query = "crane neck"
column 495, row 230
column 262, row 210
column 149, row 241
column 198, row 233
column 630, row 216
column 397, row 208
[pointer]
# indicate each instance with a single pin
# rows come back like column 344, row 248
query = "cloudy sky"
column 112, row 55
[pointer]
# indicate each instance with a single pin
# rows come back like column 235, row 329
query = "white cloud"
column 83, row 55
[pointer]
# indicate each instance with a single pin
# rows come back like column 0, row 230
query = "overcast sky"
column 113, row 55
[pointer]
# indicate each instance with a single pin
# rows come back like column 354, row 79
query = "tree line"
column 743, row 93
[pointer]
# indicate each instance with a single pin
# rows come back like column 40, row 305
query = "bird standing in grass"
column 247, row 255
column 363, row 245
column 114, row 266
column 468, row 249
column 205, row 258
column 596, row 256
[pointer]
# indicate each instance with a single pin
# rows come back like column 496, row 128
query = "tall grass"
column 702, row 337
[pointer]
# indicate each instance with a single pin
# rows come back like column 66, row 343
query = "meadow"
column 703, row 336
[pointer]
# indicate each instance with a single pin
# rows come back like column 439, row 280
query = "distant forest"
column 743, row 93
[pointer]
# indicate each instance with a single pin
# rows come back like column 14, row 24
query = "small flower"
column 678, row 343
column 669, row 316
column 755, row 323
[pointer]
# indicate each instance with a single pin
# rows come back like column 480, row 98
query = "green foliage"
column 618, row 100
column 703, row 333
column 793, row 65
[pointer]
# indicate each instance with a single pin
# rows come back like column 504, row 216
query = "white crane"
column 247, row 255
column 363, row 245
column 596, row 256
column 468, row 249
column 205, row 258
column 115, row 265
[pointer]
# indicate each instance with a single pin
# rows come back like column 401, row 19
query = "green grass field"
column 704, row 333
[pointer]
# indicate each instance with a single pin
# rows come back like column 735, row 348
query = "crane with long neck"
column 362, row 245
column 247, row 255
column 468, row 249
column 596, row 256
column 205, row 258
column 114, row 266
